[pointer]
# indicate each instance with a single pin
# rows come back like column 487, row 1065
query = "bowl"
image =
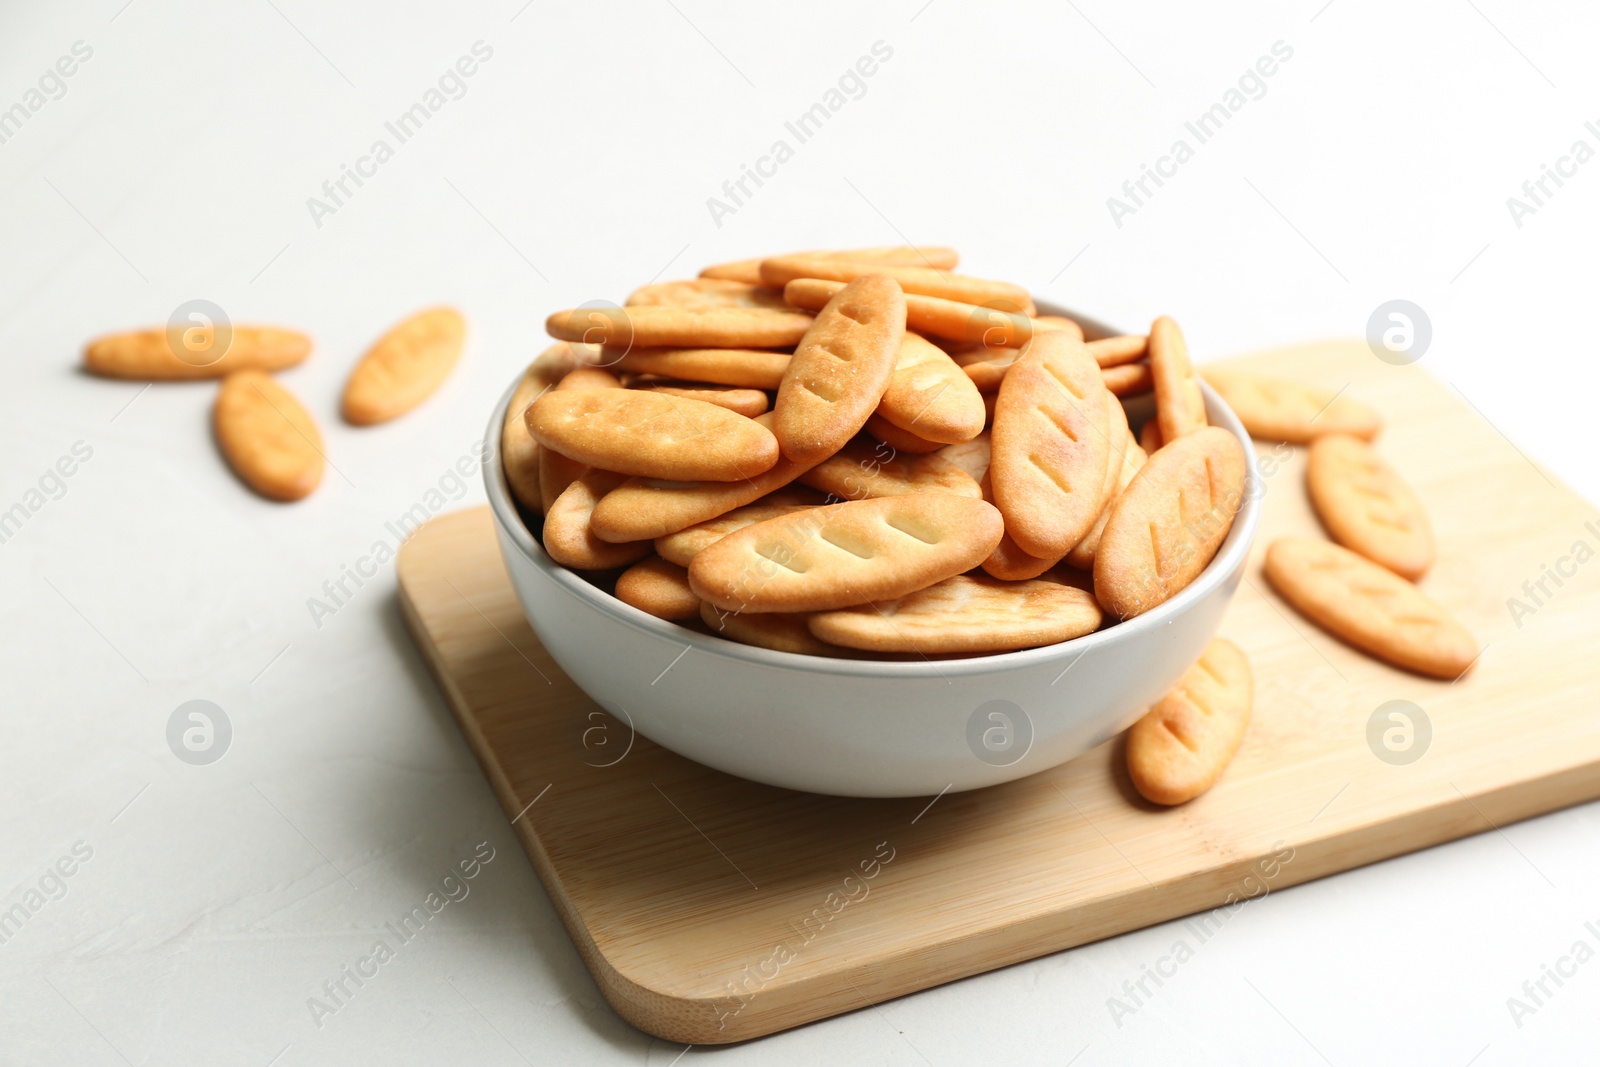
column 860, row 727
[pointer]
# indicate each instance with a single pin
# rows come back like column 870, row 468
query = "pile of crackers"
column 865, row 453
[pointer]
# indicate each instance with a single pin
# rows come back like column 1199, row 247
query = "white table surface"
column 177, row 165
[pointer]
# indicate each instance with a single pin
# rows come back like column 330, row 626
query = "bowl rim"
column 1230, row 557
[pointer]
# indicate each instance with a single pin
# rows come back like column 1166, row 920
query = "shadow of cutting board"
column 711, row 909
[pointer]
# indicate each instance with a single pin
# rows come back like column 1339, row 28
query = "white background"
column 577, row 165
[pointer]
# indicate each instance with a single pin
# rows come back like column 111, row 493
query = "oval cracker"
column 846, row 554
column 267, row 437
column 965, row 613
column 1050, row 446
column 1366, row 507
column 1370, row 607
column 1278, row 409
column 652, row 434
column 657, row 587
column 1168, row 524
column 839, row 372
column 1184, row 743
column 404, row 367
column 150, row 355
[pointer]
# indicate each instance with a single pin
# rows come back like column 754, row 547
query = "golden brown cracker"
column 898, row 439
column 746, row 402
column 839, row 372
column 1116, row 351
column 1278, row 409
column 189, row 353
column 680, row 327
column 1367, row 507
column 1050, row 446
column 1370, row 607
column 648, row 508
column 1180, row 406
column 846, row 554
column 267, row 437
column 1168, row 524
column 966, row 613
column 928, row 395
column 657, row 587
column 404, row 367
column 751, row 368
column 652, row 434
column 1184, row 743
column 567, row 536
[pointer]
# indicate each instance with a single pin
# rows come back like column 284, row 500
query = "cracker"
column 648, row 508
column 1116, row 351
column 779, row 631
column 864, row 469
column 1168, row 524
column 683, row 546
column 1129, row 379
column 986, row 367
column 557, row 470
column 680, row 327
column 1008, row 562
column 658, row 588
column 405, row 367
column 267, row 437
column 707, row 293
column 1050, row 446
column 148, row 355
column 567, row 536
column 1370, row 607
column 750, row 368
column 1180, row 406
column 846, row 554
column 898, row 439
column 839, row 372
column 1117, row 476
column 929, row 396
column 926, row 281
column 1278, row 409
column 965, row 613
column 938, row 258
column 652, row 435
column 1184, row 743
column 746, row 402
column 1366, row 507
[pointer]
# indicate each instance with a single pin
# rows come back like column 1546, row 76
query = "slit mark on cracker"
column 783, row 556
column 913, row 529
column 1056, row 476
column 854, row 545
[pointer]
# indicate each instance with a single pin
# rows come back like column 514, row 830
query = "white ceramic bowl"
column 862, row 727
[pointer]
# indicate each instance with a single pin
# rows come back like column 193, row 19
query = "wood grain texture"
column 682, row 887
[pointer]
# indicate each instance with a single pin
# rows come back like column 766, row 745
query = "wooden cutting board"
column 711, row 909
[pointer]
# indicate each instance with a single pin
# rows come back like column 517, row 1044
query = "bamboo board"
column 711, row 909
